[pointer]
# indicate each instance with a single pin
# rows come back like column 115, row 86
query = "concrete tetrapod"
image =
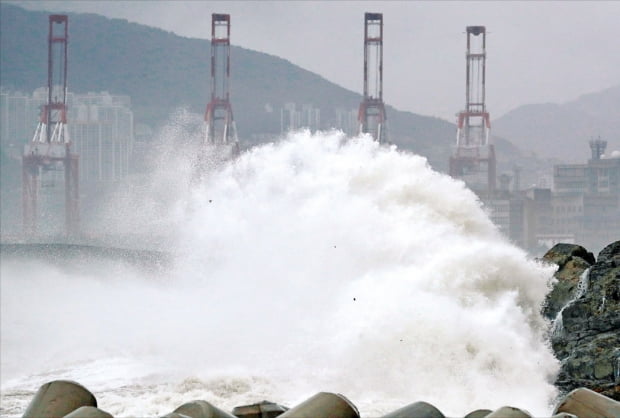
column 508, row 412
column 416, row 410
column 88, row 412
column 59, row 398
column 478, row 413
column 264, row 409
column 587, row 403
column 201, row 409
column 323, row 404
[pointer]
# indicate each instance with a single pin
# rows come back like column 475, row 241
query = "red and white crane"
column 50, row 148
column 220, row 124
column 473, row 157
column 371, row 115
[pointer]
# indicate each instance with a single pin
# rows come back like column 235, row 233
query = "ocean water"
column 316, row 263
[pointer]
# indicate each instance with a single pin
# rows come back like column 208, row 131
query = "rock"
column 561, row 253
column 586, row 333
column 611, row 254
column 566, row 287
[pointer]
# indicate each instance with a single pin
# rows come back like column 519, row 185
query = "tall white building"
column 347, row 120
column 18, row 121
column 292, row 119
column 101, row 128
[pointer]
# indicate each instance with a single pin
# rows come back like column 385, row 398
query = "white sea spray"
column 317, row 263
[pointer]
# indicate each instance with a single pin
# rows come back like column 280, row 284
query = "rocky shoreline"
column 584, row 306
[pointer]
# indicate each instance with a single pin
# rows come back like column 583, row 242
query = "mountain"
column 562, row 131
column 161, row 71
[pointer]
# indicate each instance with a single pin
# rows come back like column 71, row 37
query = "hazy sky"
column 536, row 51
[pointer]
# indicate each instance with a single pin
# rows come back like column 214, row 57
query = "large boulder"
column 572, row 261
column 567, row 287
column 585, row 308
column 561, row 253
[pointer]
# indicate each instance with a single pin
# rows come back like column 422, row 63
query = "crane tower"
column 49, row 150
column 371, row 115
column 473, row 156
column 220, row 125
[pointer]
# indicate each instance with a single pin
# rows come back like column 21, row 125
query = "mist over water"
column 318, row 263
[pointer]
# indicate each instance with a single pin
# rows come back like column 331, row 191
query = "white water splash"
column 557, row 326
column 319, row 263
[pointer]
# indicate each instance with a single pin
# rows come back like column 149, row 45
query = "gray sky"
column 537, row 51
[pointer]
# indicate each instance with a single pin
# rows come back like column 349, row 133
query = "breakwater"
column 71, row 400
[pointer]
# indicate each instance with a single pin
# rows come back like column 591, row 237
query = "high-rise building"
column 347, row 120
column 583, row 206
column 586, row 199
column 19, row 116
column 101, row 128
column 292, row 119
